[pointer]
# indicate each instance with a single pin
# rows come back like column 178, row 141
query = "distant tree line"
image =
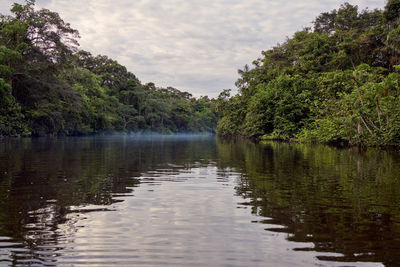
column 338, row 81
column 50, row 87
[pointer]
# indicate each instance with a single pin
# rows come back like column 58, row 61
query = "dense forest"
column 50, row 87
column 337, row 82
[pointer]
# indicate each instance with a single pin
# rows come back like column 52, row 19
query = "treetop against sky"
column 196, row 45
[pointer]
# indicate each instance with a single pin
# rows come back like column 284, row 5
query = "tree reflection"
column 342, row 200
column 46, row 185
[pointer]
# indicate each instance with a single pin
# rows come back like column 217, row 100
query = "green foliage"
column 11, row 119
column 336, row 83
column 392, row 10
column 393, row 39
column 49, row 87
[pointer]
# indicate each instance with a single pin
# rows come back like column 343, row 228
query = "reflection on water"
column 340, row 200
column 196, row 200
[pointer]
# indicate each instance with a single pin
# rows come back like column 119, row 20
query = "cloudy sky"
column 193, row 45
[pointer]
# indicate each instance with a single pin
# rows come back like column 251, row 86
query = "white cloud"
column 193, row 45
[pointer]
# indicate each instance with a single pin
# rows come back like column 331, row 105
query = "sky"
column 192, row 45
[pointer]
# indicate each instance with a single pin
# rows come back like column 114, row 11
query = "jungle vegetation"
column 50, row 87
column 335, row 82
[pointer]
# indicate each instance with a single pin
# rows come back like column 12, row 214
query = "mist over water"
column 196, row 200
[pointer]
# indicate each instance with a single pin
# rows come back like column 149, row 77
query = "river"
column 196, row 200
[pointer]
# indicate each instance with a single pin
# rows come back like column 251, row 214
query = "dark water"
column 196, row 201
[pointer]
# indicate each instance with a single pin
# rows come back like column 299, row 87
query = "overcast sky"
column 193, row 45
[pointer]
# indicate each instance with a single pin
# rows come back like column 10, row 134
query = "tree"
column 335, row 83
column 392, row 11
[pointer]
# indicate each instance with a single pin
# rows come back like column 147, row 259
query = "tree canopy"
column 50, row 87
column 338, row 81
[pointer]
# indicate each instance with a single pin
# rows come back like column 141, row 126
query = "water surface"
column 196, row 201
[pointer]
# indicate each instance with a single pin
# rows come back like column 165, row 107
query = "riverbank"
column 337, row 82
